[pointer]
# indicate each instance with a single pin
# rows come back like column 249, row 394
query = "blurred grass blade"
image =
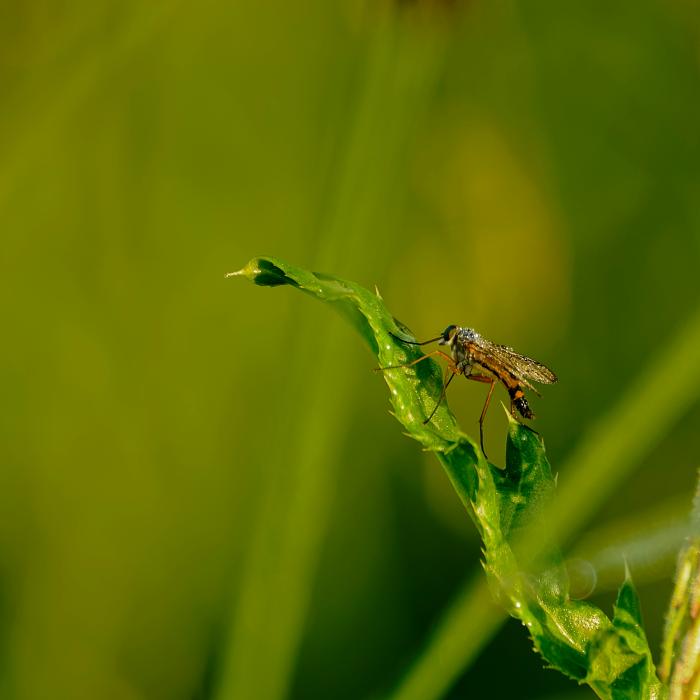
column 469, row 623
column 572, row 636
column 276, row 585
column 46, row 104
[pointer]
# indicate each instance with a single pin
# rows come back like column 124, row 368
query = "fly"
column 480, row 360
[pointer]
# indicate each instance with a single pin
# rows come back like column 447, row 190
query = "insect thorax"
column 459, row 347
column 468, row 335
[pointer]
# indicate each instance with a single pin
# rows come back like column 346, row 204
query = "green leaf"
column 619, row 657
column 574, row 637
column 627, row 604
column 526, row 485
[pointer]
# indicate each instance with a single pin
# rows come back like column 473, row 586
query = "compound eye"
column 449, row 333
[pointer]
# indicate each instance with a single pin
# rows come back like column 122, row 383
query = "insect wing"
column 521, row 366
column 525, row 366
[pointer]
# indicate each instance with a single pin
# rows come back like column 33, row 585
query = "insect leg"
column 445, row 384
column 482, row 417
column 415, row 362
column 480, row 378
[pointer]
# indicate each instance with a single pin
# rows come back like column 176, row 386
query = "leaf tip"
column 251, row 270
column 628, row 573
column 512, row 420
column 265, row 272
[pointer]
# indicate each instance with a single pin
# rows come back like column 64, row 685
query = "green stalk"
column 606, row 457
column 611, row 655
column 680, row 660
column 268, row 616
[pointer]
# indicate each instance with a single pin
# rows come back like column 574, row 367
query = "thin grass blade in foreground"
column 395, row 85
column 680, row 663
column 612, row 656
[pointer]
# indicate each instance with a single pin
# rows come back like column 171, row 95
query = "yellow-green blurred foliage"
column 201, row 492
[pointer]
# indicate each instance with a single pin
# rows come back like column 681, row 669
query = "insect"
column 470, row 351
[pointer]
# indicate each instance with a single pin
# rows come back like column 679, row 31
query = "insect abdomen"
column 517, row 396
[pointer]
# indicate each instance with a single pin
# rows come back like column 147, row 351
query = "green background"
column 201, row 492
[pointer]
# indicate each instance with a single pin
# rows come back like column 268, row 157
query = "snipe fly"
column 480, row 360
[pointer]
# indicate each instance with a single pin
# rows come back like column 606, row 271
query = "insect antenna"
column 413, row 342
